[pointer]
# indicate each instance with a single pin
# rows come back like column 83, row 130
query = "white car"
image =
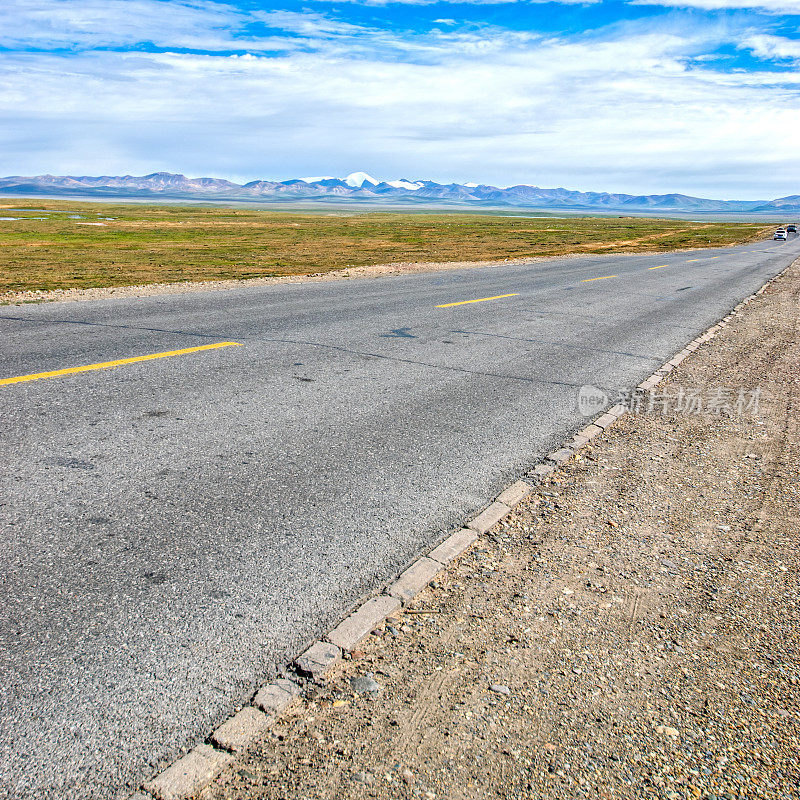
column 780, row 234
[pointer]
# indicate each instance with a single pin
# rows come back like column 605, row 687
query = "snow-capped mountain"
column 404, row 184
column 358, row 179
column 361, row 188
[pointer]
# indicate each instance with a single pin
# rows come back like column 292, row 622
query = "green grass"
column 160, row 243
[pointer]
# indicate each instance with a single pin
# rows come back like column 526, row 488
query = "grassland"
column 138, row 244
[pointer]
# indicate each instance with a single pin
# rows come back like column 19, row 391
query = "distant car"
column 791, row 228
column 780, row 234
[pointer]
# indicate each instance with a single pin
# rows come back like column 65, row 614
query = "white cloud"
column 772, row 47
column 190, row 24
column 104, row 23
column 83, row 25
column 628, row 110
column 467, row 2
column 308, row 24
column 464, row 2
column 771, row 6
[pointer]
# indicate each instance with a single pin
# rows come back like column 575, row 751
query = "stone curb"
column 453, row 546
column 274, row 698
column 589, row 432
column 515, row 494
column 241, row 729
column 489, row 517
column 191, row 773
column 542, row 470
column 352, row 629
column 561, row 456
column 320, row 658
column 415, row 579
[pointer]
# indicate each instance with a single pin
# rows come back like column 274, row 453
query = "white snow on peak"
column 405, row 185
column 470, row 185
column 358, row 179
column 318, row 178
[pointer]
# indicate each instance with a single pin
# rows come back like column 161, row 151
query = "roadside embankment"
column 630, row 631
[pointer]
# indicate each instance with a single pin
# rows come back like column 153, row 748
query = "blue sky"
column 693, row 96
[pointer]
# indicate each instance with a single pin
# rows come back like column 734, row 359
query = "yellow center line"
column 108, row 364
column 660, row 266
column 601, row 278
column 693, row 259
column 479, row 300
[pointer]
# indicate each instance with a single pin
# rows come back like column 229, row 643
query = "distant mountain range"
column 360, row 187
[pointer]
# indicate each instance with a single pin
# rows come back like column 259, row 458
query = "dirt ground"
column 630, row 632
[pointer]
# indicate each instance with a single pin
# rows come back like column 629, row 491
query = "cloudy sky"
column 694, row 96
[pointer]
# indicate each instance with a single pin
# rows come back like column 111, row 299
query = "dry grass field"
column 63, row 244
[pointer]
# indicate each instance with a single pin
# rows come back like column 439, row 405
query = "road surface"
column 174, row 528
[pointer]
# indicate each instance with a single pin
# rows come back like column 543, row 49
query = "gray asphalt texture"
column 174, row 530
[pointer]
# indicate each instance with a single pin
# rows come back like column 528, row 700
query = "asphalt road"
column 173, row 529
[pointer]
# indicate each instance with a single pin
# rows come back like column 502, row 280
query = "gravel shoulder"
column 630, row 631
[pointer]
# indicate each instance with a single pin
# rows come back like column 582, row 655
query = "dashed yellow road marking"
column 109, row 364
column 688, row 260
column 479, row 300
column 660, row 266
column 601, row 278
